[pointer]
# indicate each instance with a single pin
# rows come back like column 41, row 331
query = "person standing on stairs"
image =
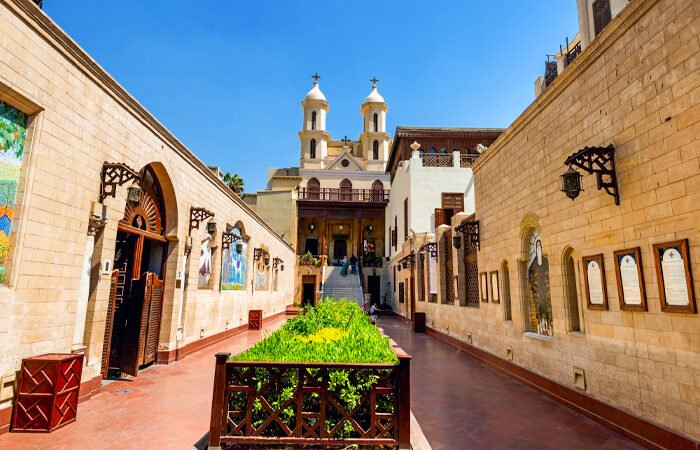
column 345, row 263
column 353, row 264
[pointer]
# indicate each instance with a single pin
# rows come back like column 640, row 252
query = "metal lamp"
column 134, row 194
column 211, row 227
column 457, row 241
column 571, row 183
column 239, row 247
column 267, row 260
column 422, row 257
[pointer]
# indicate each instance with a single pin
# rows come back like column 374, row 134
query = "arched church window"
column 313, row 187
column 312, row 149
column 375, row 150
column 570, row 291
column 346, row 189
column 538, row 302
column 505, row 292
column 432, row 150
column 376, row 123
column 443, row 151
column 313, row 120
column 377, row 191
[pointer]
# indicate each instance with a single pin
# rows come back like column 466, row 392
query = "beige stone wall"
column 637, row 86
column 80, row 119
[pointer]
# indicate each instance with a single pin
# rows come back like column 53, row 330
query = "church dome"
column 374, row 96
column 315, row 94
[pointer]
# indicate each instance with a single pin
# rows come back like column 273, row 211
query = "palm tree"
column 235, row 182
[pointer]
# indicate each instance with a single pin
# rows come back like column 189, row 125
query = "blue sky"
column 226, row 77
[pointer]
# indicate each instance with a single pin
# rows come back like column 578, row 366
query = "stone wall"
column 637, row 87
column 80, row 118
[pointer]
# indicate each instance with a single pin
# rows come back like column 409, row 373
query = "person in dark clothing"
column 353, row 264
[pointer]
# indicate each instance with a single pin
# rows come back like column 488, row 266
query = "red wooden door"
column 154, row 298
column 135, row 327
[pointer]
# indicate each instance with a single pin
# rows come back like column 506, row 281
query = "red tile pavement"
column 462, row 403
column 166, row 407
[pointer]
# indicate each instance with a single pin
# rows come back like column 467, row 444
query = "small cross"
column 374, row 81
column 316, row 76
column 345, row 140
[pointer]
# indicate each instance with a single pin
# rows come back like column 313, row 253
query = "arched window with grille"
column 432, row 150
column 346, row 189
column 375, row 150
column 313, row 188
column 376, row 122
column 377, row 191
column 570, row 291
column 313, row 120
column 312, row 149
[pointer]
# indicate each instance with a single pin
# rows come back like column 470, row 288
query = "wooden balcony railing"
column 344, row 195
column 298, row 404
column 467, row 160
column 437, row 160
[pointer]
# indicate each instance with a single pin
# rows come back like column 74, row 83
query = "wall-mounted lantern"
column 457, row 241
column 312, row 227
column 239, row 247
column 134, row 194
column 258, row 254
column 597, row 160
column 422, row 257
column 278, row 262
column 228, row 238
column 211, row 227
column 571, row 183
column 398, row 266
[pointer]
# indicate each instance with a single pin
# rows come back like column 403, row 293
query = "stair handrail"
column 360, row 279
column 323, row 275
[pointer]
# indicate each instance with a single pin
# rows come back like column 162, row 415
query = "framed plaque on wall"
column 674, row 277
column 630, row 279
column 484, row 286
column 495, row 286
column 594, row 279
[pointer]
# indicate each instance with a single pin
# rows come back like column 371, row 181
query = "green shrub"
column 334, row 331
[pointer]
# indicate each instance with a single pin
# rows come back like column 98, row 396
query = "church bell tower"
column 313, row 137
column 375, row 139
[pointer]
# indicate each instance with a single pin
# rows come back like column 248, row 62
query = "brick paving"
column 165, row 407
column 462, row 403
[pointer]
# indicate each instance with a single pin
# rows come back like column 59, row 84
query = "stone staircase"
column 338, row 286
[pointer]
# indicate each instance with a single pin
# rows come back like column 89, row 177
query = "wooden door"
column 109, row 322
column 373, row 286
column 154, row 298
column 135, row 327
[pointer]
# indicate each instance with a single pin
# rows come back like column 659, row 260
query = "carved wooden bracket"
column 113, row 175
column 470, row 228
column 198, row 215
column 227, row 239
column 601, row 162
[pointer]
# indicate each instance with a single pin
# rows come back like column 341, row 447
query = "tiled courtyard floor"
column 167, row 407
column 462, row 403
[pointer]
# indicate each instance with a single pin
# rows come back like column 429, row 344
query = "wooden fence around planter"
column 246, row 411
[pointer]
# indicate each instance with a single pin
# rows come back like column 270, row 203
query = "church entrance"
column 137, row 282
column 340, row 248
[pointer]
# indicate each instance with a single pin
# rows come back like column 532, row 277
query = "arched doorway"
column 137, row 283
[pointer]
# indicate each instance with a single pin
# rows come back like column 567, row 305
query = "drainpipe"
column 95, row 224
column 179, row 335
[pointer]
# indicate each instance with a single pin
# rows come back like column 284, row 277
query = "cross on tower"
column 316, row 76
column 374, row 81
column 345, row 140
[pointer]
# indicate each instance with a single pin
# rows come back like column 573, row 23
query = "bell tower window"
column 312, row 149
column 313, row 120
column 376, row 123
column 375, row 149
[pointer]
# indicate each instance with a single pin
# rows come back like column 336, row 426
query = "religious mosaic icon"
column 205, row 259
column 234, row 263
column 13, row 132
column 540, row 301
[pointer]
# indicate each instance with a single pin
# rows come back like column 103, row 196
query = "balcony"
column 344, row 195
column 454, row 159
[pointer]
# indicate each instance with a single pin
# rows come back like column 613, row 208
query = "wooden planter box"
column 302, row 419
column 47, row 392
column 255, row 317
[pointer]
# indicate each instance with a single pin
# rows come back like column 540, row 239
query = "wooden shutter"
column 439, row 217
column 135, row 329
column 453, row 201
column 109, row 323
column 601, row 15
column 154, row 297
